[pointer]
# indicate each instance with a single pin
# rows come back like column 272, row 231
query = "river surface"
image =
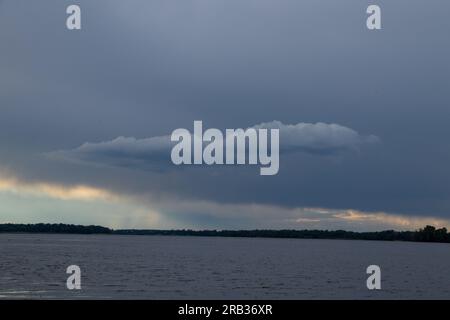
column 33, row 266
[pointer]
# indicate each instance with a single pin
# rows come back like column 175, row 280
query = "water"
column 169, row 267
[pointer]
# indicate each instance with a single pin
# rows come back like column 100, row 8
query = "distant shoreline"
column 427, row 234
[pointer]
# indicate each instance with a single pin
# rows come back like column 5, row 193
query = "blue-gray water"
column 157, row 267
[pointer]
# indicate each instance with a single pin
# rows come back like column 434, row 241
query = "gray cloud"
column 154, row 153
column 318, row 138
column 151, row 153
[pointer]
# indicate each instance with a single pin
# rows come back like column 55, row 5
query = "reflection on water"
column 156, row 267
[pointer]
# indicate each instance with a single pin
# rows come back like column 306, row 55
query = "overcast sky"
column 81, row 112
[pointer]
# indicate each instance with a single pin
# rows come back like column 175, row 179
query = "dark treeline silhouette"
column 52, row 228
column 427, row 234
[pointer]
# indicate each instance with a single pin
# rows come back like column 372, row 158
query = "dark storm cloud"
column 144, row 68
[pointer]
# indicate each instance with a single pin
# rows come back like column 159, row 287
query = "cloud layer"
column 154, row 153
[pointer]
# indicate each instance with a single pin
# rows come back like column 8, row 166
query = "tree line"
column 426, row 234
column 52, row 228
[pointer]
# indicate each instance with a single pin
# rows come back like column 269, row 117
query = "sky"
column 363, row 115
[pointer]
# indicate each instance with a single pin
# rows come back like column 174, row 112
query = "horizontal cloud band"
column 154, row 152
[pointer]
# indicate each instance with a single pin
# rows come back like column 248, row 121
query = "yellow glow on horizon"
column 391, row 219
column 139, row 211
column 77, row 192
